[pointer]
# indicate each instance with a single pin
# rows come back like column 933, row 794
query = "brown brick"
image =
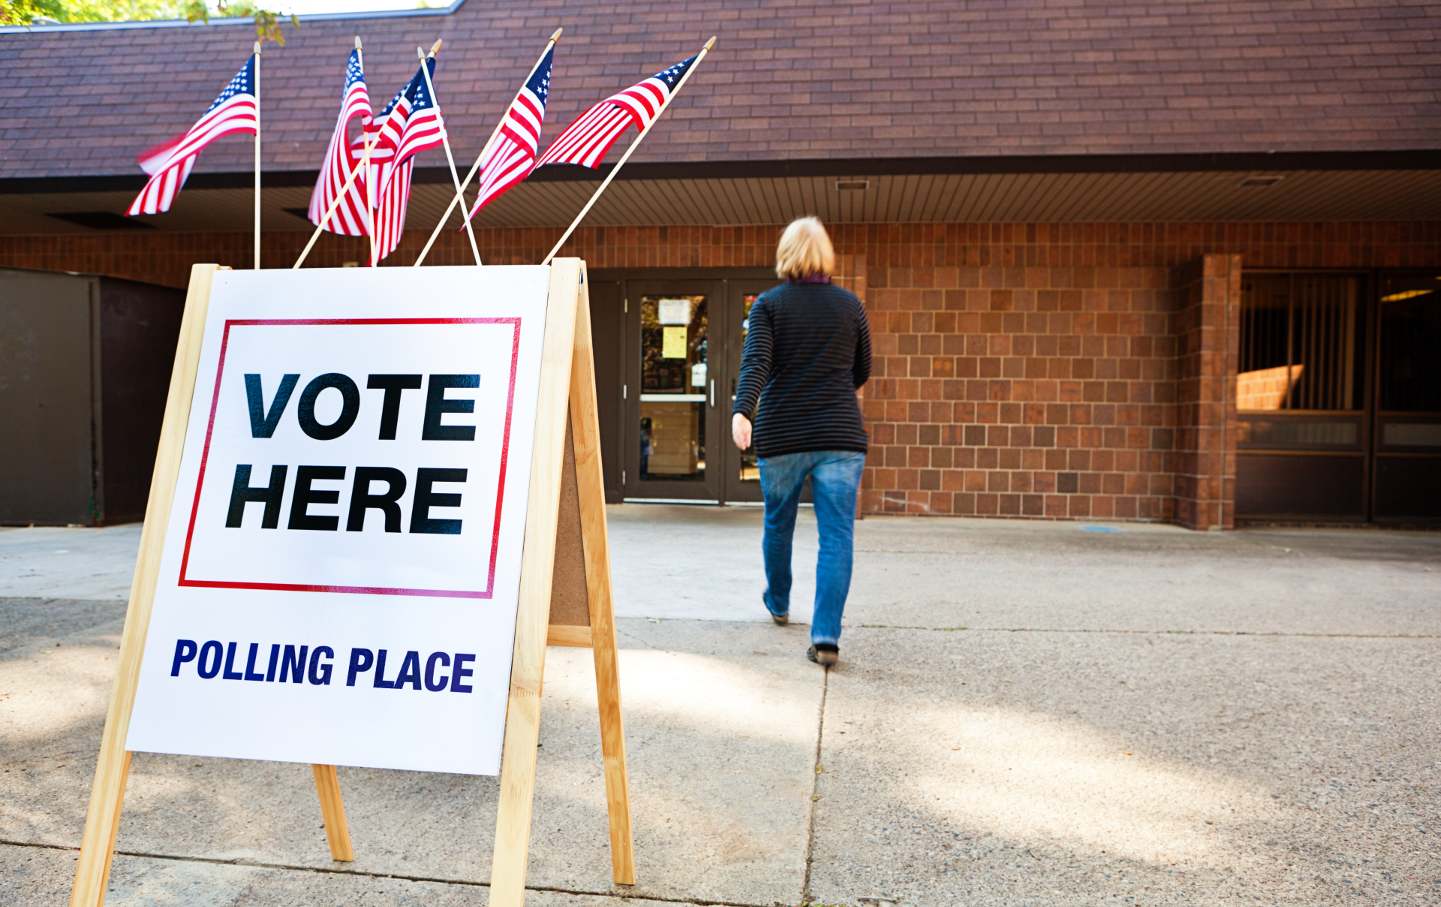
column 1143, row 421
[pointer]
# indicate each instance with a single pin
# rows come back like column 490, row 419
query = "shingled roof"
column 787, row 81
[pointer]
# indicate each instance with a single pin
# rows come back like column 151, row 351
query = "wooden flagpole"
column 257, row 155
column 474, row 168
column 335, row 203
column 445, row 141
column 365, row 168
column 629, row 151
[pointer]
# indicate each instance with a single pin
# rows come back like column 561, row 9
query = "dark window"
column 1300, row 343
column 1411, row 346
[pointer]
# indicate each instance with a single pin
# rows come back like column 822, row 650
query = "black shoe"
column 824, row 654
column 780, row 619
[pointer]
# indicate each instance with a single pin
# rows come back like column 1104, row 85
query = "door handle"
column 712, row 393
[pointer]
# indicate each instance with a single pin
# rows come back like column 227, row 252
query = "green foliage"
column 267, row 22
column 21, row 12
column 24, row 12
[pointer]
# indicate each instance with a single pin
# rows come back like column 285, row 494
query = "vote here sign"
column 341, row 564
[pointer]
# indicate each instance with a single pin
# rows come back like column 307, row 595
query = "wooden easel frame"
column 565, row 478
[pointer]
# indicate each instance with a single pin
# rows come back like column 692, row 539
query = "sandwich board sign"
column 361, row 509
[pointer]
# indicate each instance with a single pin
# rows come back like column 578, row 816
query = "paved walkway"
column 1025, row 713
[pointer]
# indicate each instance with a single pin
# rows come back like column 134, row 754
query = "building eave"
column 1201, row 162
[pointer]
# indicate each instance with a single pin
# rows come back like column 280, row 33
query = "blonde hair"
column 804, row 250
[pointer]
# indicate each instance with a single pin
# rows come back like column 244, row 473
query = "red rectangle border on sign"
column 186, row 580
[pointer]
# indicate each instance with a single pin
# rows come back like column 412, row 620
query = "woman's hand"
column 741, row 431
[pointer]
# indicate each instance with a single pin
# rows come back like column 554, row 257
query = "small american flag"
column 586, row 141
column 511, row 157
column 235, row 110
column 408, row 125
column 342, row 158
column 411, row 122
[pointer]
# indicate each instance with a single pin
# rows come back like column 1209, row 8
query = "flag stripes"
column 411, row 123
column 235, row 110
column 341, row 159
column 511, row 157
column 390, row 206
column 586, row 141
column 643, row 101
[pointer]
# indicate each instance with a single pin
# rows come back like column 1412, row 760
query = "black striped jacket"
column 807, row 350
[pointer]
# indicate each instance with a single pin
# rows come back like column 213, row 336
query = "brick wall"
column 1021, row 390
column 1204, row 325
column 905, row 254
column 165, row 258
column 1032, row 370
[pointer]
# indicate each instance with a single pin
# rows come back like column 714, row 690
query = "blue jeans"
column 835, row 475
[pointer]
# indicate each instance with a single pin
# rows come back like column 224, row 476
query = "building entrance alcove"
column 1338, row 396
column 668, row 351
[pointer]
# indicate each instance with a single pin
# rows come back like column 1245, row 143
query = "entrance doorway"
column 671, row 373
column 1407, row 432
column 1339, row 397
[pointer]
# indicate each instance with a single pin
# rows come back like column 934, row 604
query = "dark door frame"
column 706, row 488
column 1361, row 450
column 736, row 290
column 727, row 286
column 1376, row 417
column 607, row 319
column 1369, row 448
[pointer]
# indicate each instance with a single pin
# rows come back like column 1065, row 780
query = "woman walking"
column 807, row 351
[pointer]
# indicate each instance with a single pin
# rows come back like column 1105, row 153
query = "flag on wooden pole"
column 445, row 143
column 235, row 110
column 512, row 155
column 586, row 140
column 544, row 58
column 342, row 158
column 408, row 125
column 255, row 59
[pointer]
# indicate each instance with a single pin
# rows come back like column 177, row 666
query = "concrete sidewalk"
column 1037, row 713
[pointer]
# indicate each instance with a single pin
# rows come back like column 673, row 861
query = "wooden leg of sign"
column 527, row 671
column 115, row 830
column 590, row 490
column 612, row 744
column 574, row 637
column 332, row 809
column 107, row 792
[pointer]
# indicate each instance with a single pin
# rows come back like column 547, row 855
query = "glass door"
column 671, row 390
column 742, row 476
column 1301, row 397
column 1407, row 437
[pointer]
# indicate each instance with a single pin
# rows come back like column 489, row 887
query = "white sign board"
column 341, row 565
column 675, row 311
